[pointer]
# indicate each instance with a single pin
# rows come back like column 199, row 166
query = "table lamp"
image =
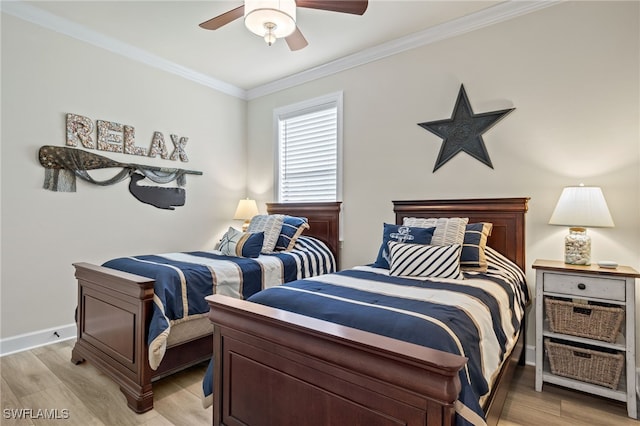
column 580, row 207
column 245, row 211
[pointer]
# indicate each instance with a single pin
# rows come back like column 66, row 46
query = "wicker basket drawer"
column 587, row 365
column 584, row 320
column 584, row 286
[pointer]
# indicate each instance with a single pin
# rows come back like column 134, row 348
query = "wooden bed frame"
column 274, row 367
column 115, row 308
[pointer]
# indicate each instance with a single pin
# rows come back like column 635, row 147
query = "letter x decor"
column 463, row 131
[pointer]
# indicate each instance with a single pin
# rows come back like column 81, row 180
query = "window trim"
column 282, row 113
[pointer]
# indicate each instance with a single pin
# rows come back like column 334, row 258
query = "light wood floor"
column 45, row 378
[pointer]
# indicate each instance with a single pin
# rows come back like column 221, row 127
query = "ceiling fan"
column 274, row 19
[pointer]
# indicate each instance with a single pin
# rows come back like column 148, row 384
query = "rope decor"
column 62, row 166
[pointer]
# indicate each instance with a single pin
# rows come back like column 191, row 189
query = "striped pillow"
column 292, row 228
column 270, row 224
column 473, row 257
column 449, row 230
column 421, row 260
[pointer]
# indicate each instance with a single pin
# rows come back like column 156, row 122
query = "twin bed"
column 142, row 318
column 363, row 346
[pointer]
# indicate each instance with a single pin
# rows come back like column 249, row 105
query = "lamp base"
column 577, row 247
column 245, row 225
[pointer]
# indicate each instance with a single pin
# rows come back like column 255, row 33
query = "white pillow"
column 449, row 230
column 270, row 224
column 424, row 260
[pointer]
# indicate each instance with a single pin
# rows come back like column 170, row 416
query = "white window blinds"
column 308, row 163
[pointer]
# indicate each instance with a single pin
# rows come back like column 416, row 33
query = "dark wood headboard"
column 506, row 214
column 323, row 218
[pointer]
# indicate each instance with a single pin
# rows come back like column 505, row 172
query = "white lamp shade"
column 582, row 206
column 246, row 209
column 281, row 13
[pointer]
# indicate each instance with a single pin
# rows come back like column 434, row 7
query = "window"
column 309, row 138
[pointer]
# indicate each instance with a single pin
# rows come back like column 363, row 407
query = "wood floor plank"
column 170, row 403
column 46, row 378
column 26, row 374
column 191, row 379
column 184, row 409
column 589, row 411
column 62, row 405
column 160, row 421
column 10, row 402
column 98, row 392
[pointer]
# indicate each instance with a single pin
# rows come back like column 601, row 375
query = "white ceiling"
column 232, row 58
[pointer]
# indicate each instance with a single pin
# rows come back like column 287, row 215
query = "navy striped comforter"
column 183, row 280
column 477, row 317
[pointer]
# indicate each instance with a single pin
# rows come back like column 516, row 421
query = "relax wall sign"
column 116, row 137
column 64, row 164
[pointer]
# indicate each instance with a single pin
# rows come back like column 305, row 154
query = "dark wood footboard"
column 274, row 367
column 114, row 310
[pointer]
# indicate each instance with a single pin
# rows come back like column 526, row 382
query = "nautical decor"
column 116, row 137
column 463, row 131
column 162, row 198
column 62, row 166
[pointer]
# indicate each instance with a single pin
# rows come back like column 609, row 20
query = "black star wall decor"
column 463, row 131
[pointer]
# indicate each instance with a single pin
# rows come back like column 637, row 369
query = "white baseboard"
column 36, row 339
column 530, row 355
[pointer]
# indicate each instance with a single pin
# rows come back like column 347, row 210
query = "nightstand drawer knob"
column 582, row 286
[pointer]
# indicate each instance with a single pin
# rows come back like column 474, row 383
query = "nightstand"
column 575, row 306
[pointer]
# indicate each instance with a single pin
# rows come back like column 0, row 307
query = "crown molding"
column 48, row 20
column 483, row 18
column 501, row 12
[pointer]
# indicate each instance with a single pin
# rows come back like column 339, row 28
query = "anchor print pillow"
column 241, row 244
column 400, row 234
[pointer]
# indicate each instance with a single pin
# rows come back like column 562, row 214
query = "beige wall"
column 571, row 71
column 46, row 75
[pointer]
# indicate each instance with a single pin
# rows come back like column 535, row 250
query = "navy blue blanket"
column 478, row 317
column 183, row 280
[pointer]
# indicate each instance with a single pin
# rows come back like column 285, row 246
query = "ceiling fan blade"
column 225, row 18
column 355, row 7
column 296, row 40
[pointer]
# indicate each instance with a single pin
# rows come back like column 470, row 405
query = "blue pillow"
column 292, row 228
column 401, row 234
column 473, row 257
column 241, row 244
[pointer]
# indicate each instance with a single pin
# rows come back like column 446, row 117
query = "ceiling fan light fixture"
column 271, row 19
column 269, row 36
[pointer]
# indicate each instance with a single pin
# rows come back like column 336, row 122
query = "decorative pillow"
column 473, row 257
column 270, row 224
column 421, row 260
column 449, row 230
column 400, row 234
column 241, row 244
column 292, row 228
